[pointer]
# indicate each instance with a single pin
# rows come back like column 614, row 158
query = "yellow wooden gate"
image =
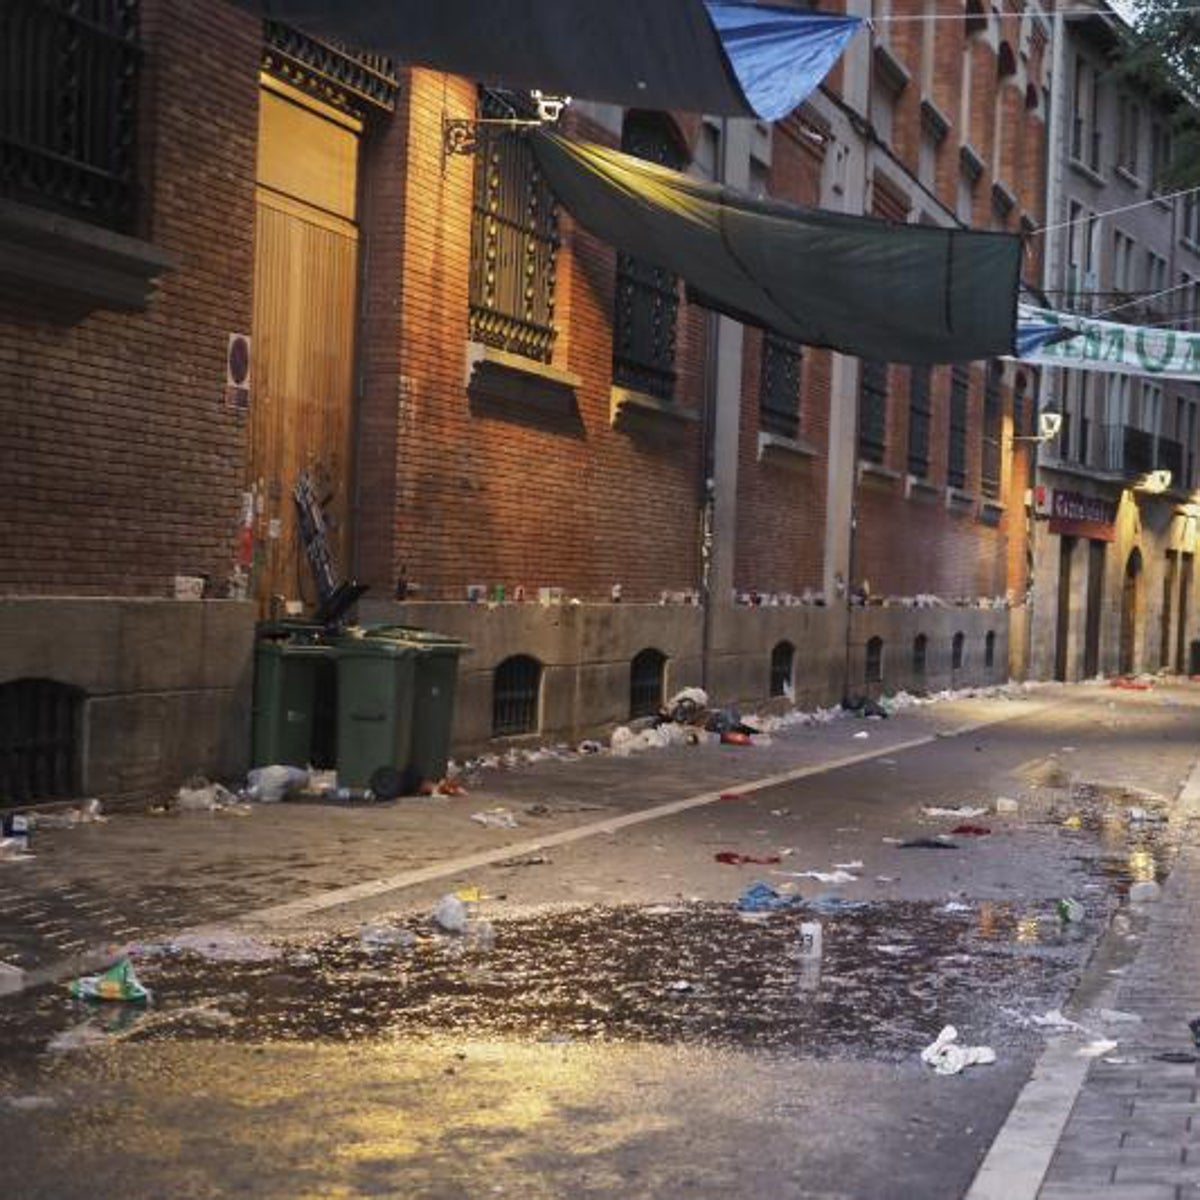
column 305, row 287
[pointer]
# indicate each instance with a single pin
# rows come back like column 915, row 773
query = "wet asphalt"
column 611, row 1025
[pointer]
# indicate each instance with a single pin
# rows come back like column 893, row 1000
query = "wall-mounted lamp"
column 460, row 134
column 1154, row 481
column 1049, row 427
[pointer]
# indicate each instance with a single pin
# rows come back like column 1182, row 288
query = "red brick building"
column 519, row 435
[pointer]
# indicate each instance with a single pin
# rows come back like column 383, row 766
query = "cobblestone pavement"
column 1134, row 1132
column 141, row 875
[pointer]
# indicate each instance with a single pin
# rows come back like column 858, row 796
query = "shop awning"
column 1086, row 344
column 709, row 56
column 898, row 293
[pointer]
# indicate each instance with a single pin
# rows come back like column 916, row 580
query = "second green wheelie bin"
column 375, row 707
column 434, row 685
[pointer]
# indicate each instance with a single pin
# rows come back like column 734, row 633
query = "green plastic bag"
column 118, row 983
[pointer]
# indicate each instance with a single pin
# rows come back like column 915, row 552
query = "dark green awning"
column 898, row 293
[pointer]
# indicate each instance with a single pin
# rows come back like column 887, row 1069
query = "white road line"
column 282, row 914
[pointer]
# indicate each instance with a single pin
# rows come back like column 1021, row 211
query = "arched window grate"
column 516, row 690
column 40, row 724
column 956, row 651
column 920, row 654
column 874, row 667
column 783, row 658
column 989, row 650
column 646, row 683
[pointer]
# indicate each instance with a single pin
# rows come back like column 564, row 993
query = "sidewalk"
column 141, row 876
column 1134, row 1131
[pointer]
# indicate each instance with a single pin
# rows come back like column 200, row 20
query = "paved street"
column 621, row 1030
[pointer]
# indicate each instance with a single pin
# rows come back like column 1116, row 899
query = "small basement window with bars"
column 646, row 683
column 783, row 658
column 872, row 411
column 40, row 740
column 516, row 696
column 989, row 650
column 779, row 386
column 956, row 651
column 874, row 667
column 920, row 655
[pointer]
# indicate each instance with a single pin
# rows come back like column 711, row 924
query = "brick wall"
column 123, row 465
column 781, row 499
column 459, row 489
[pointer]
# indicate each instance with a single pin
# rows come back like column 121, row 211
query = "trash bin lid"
column 410, row 633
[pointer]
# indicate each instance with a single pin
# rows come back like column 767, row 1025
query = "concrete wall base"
column 166, row 684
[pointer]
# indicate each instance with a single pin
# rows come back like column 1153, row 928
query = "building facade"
column 1114, row 549
column 261, row 258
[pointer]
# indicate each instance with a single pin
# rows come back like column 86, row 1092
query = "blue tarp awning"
column 710, row 56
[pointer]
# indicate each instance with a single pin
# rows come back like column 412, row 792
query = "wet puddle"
column 889, row 976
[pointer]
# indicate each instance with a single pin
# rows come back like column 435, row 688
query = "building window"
column 514, row 240
column 874, row 665
column 956, row 467
column 872, row 411
column 956, row 651
column 1085, row 125
column 1129, row 118
column 1160, row 154
column 779, row 386
column 1191, row 218
column 647, row 300
column 993, row 433
column 989, row 650
column 920, row 417
column 646, row 683
column 40, row 739
column 516, row 691
column 68, row 117
column 920, row 655
column 1123, row 251
column 782, row 659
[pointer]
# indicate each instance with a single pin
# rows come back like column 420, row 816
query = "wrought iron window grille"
column 40, row 738
column 956, row 467
column 646, row 309
column 872, row 411
column 68, row 122
column 514, row 239
column 779, row 386
column 920, row 419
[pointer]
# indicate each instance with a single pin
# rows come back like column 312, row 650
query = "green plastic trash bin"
column 292, row 682
column 375, row 708
column 434, row 685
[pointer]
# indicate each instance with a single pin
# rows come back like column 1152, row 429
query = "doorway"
column 305, row 289
column 1095, row 608
column 1130, row 599
column 1062, row 641
column 1185, row 604
column 1170, row 575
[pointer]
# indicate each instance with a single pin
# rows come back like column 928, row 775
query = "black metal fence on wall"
column 68, row 107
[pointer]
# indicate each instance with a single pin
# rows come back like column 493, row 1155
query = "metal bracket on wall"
column 460, row 135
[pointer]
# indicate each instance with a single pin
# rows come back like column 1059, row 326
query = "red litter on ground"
column 971, row 830
column 1130, row 685
column 732, row 795
column 731, row 858
column 732, row 737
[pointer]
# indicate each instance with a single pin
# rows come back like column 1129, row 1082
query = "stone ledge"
column 500, row 377
column 632, row 411
column 783, row 451
column 918, row 488
column 959, row 501
column 73, row 265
